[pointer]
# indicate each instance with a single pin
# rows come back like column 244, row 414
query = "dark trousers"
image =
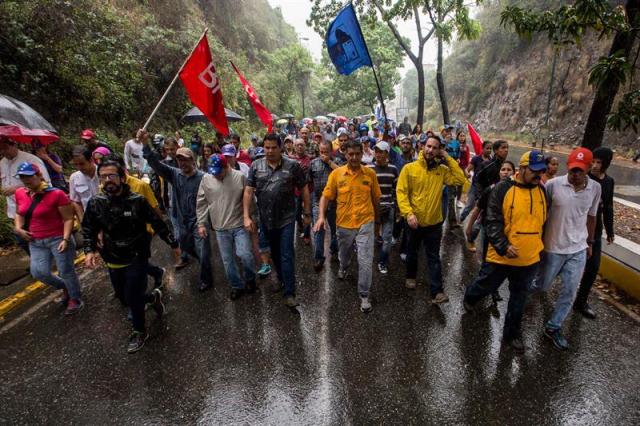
column 130, row 286
column 590, row 273
column 490, row 278
column 401, row 227
column 306, row 230
column 431, row 236
column 283, row 256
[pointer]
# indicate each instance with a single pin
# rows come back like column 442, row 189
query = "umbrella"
column 282, row 121
column 331, row 115
column 194, row 115
column 22, row 134
column 321, row 118
column 307, row 120
column 342, row 118
column 274, row 117
column 12, row 111
column 287, row 116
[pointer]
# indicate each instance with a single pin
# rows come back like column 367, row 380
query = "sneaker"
column 136, row 341
column 585, row 310
column 250, row 286
column 365, row 305
column 157, row 281
column 307, row 241
column 73, row 307
column 290, row 302
column 471, row 246
column 468, row 307
column 236, row 293
column 440, row 298
column 342, row 274
column 129, row 315
column 183, row 263
column 516, row 344
column 301, row 235
column 158, row 304
column 393, row 241
column 557, row 338
column 495, row 297
column 63, row 299
column 204, row 287
column 403, row 257
column 264, row 270
column 383, row 268
column 317, row 265
column 410, row 283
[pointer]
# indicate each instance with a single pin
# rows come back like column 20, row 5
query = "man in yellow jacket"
column 419, row 198
column 514, row 218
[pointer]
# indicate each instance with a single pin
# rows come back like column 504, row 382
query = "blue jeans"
column 318, row 237
column 42, row 251
column 570, row 268
column 200, row 248
column 244, row 250
column 283, row 255
column 130, row 286
column 490, row 278
column 387, row 221
column 431, row 236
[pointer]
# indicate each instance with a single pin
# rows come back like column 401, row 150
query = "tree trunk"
column 420, row 116
column 440, row 83
column 606, row 92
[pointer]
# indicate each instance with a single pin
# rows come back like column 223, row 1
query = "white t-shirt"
column 244, row 169
column 180, row 142
column 133, row 159
column 8, row 169
column 83, row 187
column 566, row 227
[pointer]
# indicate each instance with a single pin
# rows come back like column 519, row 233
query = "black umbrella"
column 12, row 111
column 194, row 115
column 287, row 116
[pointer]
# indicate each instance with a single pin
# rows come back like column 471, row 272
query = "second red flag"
column 261, row 110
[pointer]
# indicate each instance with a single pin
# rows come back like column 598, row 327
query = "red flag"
column 476, row 139
column 201, row 81
column 261, row 110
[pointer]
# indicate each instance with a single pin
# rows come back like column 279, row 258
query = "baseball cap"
column 580, row 158
column 87, row 134
column 259, row 152
column 229, row 150
column 27, row 169
column 184, row 152
column 254, row 137
column 217, row 163
column 382, row 146
column 288, row 138
column 341, row 131
column 403, row 138
column 534, row 160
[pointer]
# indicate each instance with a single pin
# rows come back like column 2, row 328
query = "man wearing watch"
column 568, row 238
column 356, row 192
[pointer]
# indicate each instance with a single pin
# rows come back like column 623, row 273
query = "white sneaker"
column 403, row 257
column 365, row 305
column 410, row 283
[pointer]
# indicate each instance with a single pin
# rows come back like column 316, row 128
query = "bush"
column 6, row 225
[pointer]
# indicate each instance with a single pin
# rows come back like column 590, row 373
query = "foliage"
column 627, row 114
column 6, row 225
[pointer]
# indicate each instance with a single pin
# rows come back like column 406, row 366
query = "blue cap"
column 364, row 139
column 363, row 128
column 229, row 150
column 27, row 169
column 259, row 152
column 217, row 163
column 534, row 160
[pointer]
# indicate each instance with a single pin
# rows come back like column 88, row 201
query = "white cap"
column 341, row 131
column 383, row 146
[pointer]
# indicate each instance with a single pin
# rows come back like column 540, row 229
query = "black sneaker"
column 467, row 306
column 158, row 304
column 204, row 287
column 236, row 293
column 342, row 274
column 516, row 344
column 157, row 281
column 383, row 268
column 317, row 265
column 250, row 287
column 136, row 341
column 585, row 310
column 557, row 338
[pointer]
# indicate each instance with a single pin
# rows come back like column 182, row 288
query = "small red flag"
column 476, row 139
column 203, row 86
column 261, row 110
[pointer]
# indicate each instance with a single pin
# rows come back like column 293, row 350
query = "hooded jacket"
column 123, row 220
column 515, row 216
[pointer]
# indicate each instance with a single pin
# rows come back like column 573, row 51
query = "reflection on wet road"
column 213, row 361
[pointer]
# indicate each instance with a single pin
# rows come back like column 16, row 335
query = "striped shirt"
column 387, row 178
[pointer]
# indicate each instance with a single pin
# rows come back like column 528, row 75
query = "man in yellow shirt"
column 357, row 194
column 419, row 198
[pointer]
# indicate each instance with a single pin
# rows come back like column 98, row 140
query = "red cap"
column 87, row 134
column 580, row 158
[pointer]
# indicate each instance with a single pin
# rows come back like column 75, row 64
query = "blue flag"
column 345, row 42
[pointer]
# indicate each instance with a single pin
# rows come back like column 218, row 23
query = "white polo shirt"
column 83, row 187
column 566, row 227
column 8, row 169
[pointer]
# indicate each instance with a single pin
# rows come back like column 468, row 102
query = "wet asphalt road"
column 213, row 361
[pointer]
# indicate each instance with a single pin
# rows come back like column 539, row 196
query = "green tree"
column 567, row 25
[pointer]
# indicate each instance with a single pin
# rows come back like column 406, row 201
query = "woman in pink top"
column 48, row 226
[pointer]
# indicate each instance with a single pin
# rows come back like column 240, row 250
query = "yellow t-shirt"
column 140, row 187
column 355, row 194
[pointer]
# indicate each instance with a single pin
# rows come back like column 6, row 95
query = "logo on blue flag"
column 345, row 42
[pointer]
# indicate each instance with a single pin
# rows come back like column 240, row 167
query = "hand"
column 100, row 242
column 24, row 234
column 202, row 231
column 325, row 159
column 91, row 260
column 142, row 136
column 63, row 246
column 512, row 252
column 177, row 253
column 306, row 219
column 589, row 251
column 610, row 239
column 249, row 225
column 42, row 154
column 319, row 225
column 412, row 221
column 8, row 191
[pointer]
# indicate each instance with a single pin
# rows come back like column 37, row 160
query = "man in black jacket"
column 489, row 172
column 122, row 216
column 604, row 219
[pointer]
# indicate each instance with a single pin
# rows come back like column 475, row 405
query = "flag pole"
column 175, row 78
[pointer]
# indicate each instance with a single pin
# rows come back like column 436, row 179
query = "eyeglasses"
column 112, row 176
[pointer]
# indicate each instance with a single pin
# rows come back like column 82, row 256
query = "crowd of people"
column 342, row 187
